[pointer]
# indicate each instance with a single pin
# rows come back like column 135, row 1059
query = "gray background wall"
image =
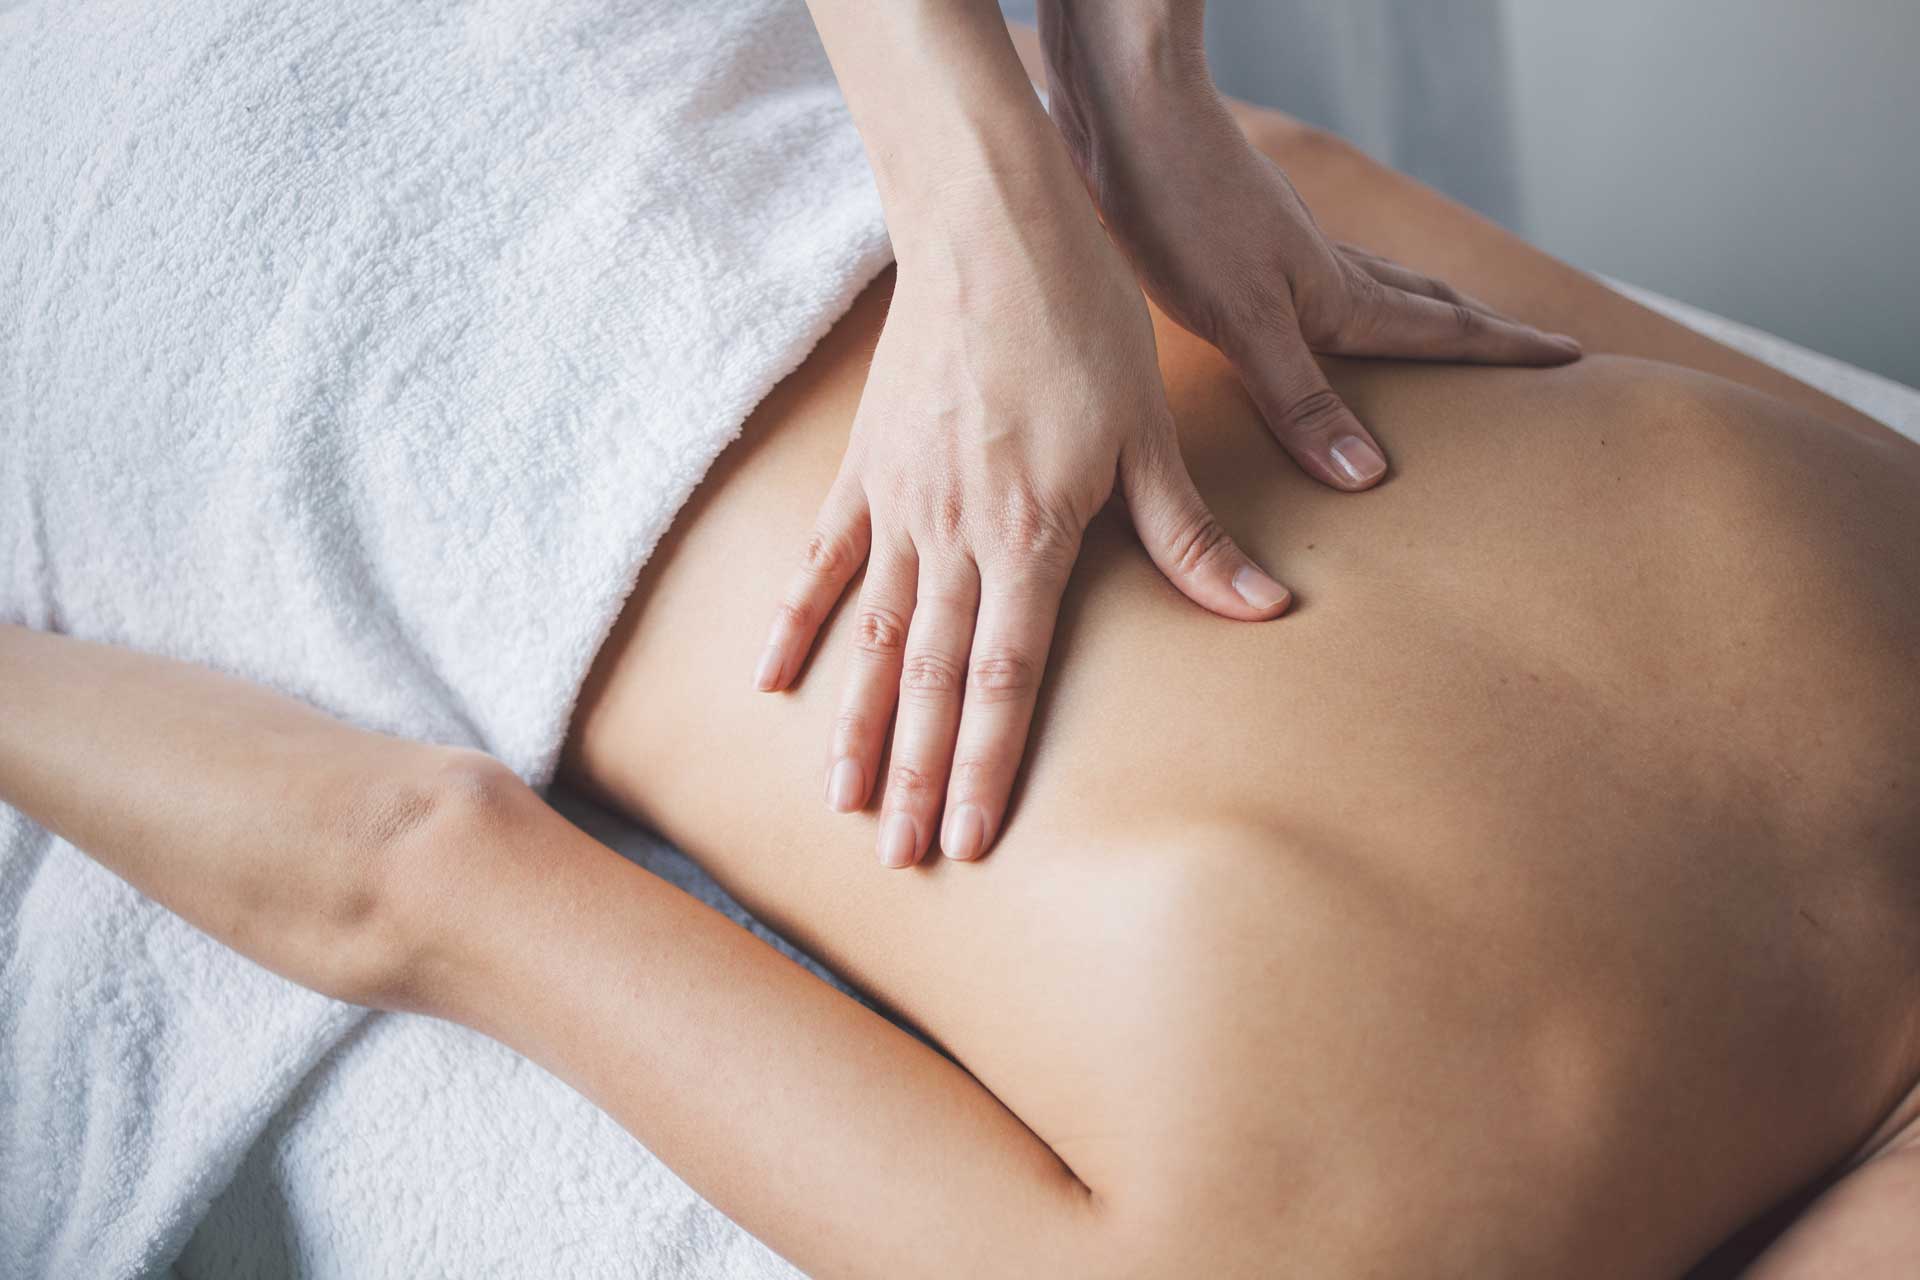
column 1760, row 158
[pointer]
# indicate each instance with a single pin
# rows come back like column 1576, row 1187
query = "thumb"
column 1187, row 543
column 1307, row 417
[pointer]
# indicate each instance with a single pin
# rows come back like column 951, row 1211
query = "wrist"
column 998, row 197
column 953, row 130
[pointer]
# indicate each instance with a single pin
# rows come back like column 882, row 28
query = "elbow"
column 420, row 844
column 457, row 796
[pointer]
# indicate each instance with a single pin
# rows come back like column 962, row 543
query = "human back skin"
column 1540, row 896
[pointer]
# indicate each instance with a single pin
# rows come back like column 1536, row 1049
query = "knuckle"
column 1348, row 316
column 929, row 676
column 1362, row 286
column 794, row 615
column 1033, row 529
column 1199, row 543
column 1002, row 675
column 1315, row 413
column 1465, row 318
column 974, row 777
column 909, row 784
column 947, row 517
column 1258, row 306
column 827, row 555
column 879, row 632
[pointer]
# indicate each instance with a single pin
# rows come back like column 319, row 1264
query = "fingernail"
column 1257, row 589
column 896, row 841
column 966, row 832
column 1568, row 341
column 843, row 787
column 1357, row 460
column 767, row 674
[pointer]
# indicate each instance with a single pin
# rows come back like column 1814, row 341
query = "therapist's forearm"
column 1120, row 72
column 1110, row 58
column 950, row 122
column 1131, row 38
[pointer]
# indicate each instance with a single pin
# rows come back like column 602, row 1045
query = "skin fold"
column 1540, row 896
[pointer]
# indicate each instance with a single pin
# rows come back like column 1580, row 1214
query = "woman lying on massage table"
column 1541, row 897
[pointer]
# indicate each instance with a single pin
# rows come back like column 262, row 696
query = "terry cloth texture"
column 365, row 350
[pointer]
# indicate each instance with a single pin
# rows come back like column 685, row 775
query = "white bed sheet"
column 421, row 1149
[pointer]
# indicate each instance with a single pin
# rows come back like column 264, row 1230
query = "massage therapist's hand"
column 1014, row 385
column 1225, row 246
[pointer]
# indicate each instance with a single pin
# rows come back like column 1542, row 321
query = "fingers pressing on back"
column 1184, row 539
column 1413, row 317
column 1018, row 612
column 834, row 552
column 1310, row 421
column 933, row 677
column 1391, row 273
column 873, row 674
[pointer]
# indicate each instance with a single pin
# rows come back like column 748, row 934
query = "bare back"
column 1551, row 867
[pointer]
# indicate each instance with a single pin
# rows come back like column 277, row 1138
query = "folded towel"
column 364, row 350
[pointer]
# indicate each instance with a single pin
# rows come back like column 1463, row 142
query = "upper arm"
column 1867, row 1225
column 841, row 1141
column 390, row 873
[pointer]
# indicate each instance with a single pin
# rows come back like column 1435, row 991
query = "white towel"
column 364, row 349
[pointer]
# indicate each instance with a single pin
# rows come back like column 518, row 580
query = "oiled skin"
column 1540, row 893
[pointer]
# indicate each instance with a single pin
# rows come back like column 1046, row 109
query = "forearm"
column 950, row 122
column 1115, row 67
column 841, row 1141
column 1120, row 42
